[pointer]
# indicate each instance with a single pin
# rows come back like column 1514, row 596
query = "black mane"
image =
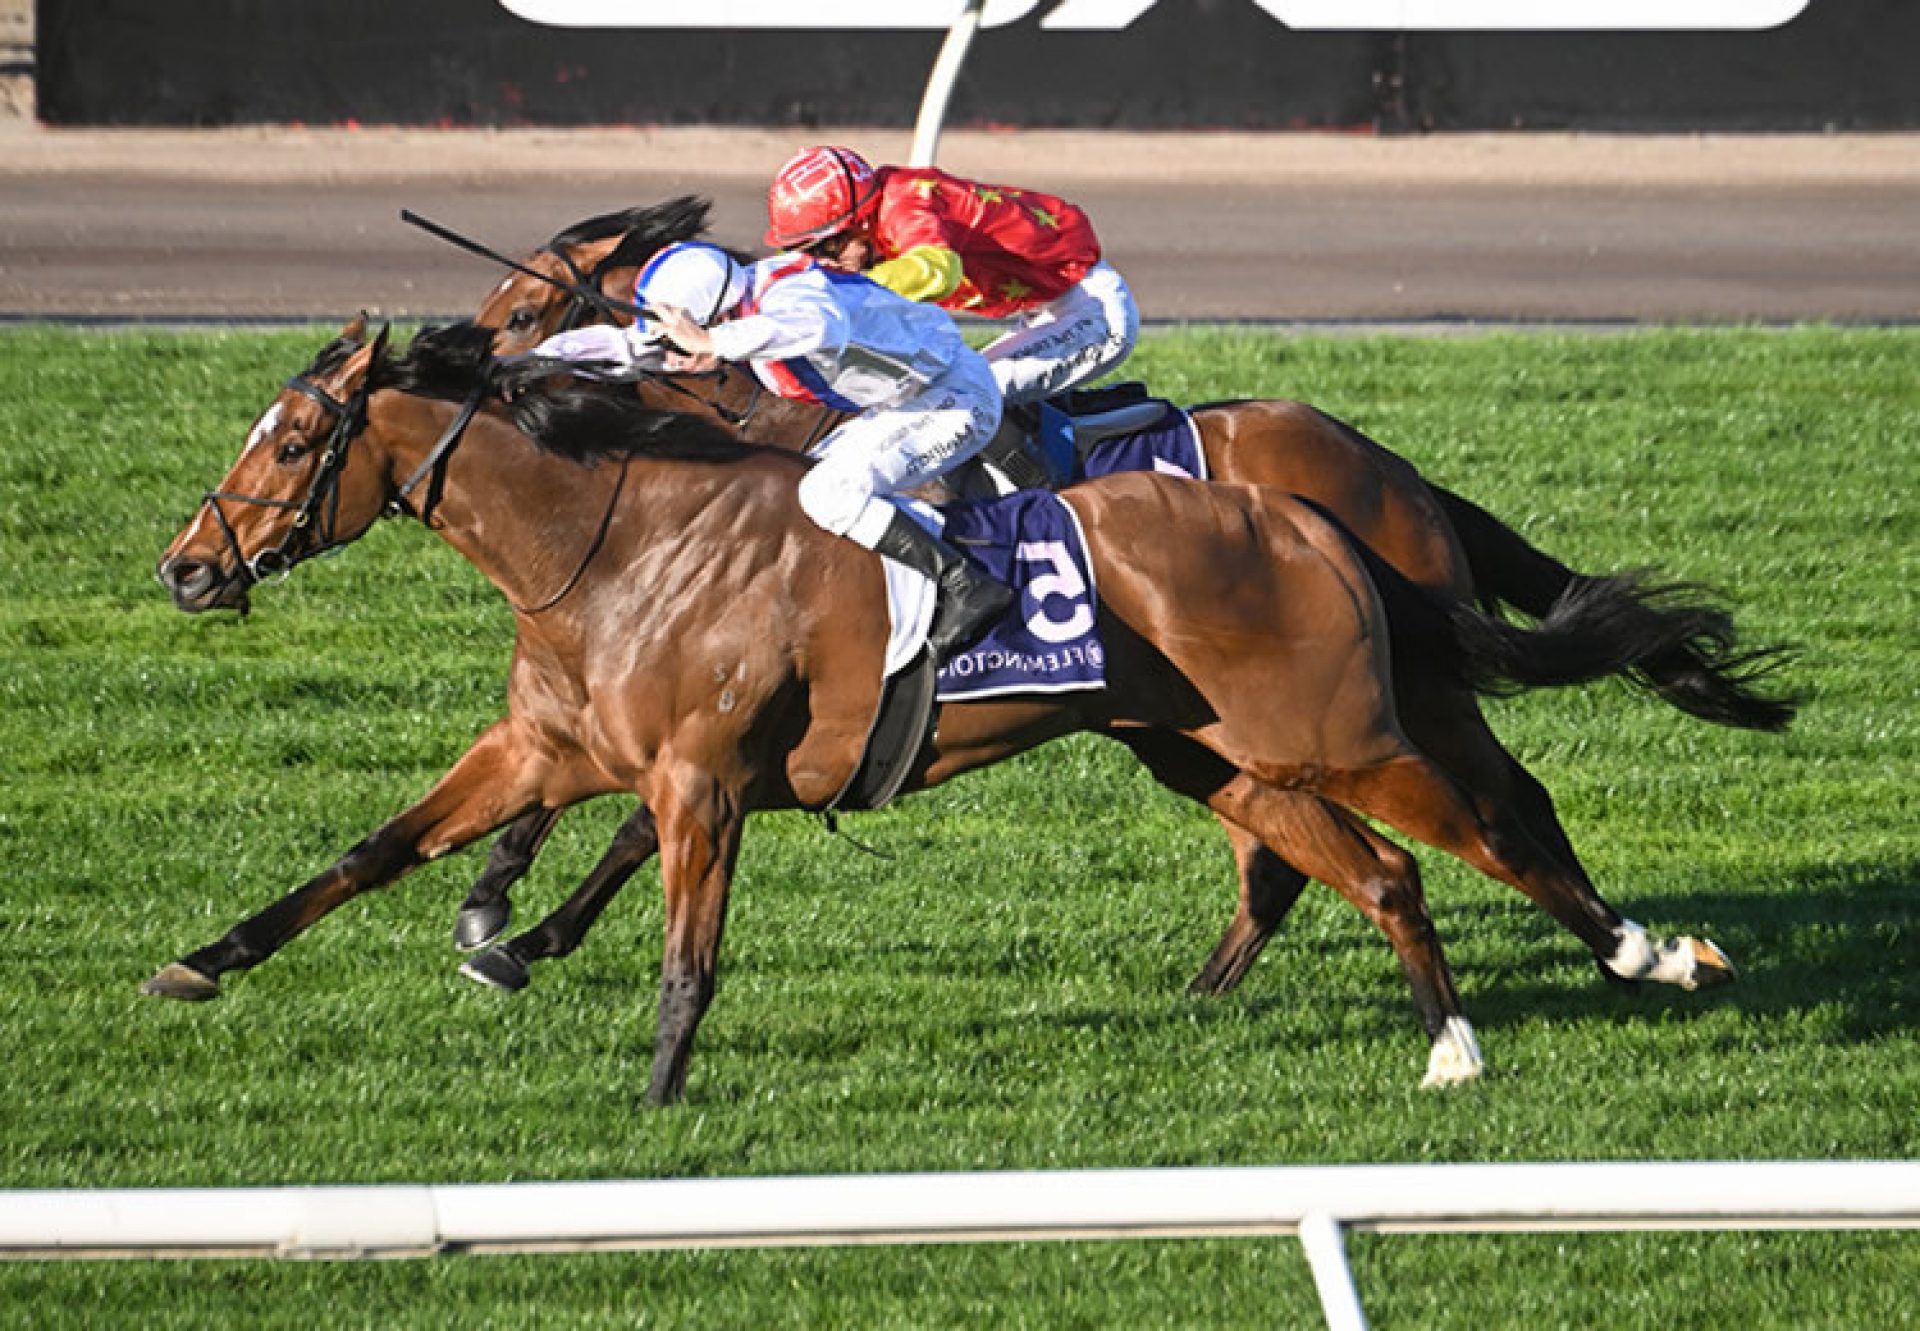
column 594, row 423
column 642, row 231
column 570, row 419
column 443, row 360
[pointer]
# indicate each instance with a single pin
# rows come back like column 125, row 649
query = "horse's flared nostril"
column 187, row 579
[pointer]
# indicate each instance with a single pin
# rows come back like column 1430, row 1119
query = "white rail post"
column 946, row 70
column 1321, row 1236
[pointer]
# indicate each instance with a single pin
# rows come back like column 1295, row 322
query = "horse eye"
column 293, row 450
column 520, row 321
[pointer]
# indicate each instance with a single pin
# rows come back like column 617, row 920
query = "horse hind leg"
column 1416, row 797
column 1383, row 882
column 1269, row 887
column 508, row 965
column 1449, row 729
column 1306, row 837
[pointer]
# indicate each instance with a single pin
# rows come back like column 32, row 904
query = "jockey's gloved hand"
column 598, row 349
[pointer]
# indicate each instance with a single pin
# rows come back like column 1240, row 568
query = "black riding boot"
column 968, row 599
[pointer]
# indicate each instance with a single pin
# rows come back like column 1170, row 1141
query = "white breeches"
column 886, row 450
column 1073, row 339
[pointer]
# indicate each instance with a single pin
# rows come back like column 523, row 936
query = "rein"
column 593, row 548
column 436, row 460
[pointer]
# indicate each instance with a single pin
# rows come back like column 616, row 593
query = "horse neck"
column 534, row 523
column 524, row 518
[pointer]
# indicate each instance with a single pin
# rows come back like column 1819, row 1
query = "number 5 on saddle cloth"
column 1047, row 642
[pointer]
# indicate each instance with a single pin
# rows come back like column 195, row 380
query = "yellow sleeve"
column 925, row 273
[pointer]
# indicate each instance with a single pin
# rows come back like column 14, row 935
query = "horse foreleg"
column 1269, row 886
column 496, row 780
column 484, row 914
column 700, row 824
column 1383, row 881
column 506, row 966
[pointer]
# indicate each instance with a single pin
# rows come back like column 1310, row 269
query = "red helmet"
column 820, row 193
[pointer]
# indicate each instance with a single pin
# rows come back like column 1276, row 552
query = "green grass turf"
column 1005, row 992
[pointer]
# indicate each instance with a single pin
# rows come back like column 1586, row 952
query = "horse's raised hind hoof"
column 1455, row 1057
column 178, row 980
column 498, row 968
column 1711, row 968
column 476, row 926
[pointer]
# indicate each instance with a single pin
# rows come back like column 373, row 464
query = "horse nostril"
column 187, row 577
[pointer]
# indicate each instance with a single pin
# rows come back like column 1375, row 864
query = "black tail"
column 1666, row 638
column 1646, row 633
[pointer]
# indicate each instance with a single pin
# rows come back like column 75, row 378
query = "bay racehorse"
column 686, row 634
column 1689, row 656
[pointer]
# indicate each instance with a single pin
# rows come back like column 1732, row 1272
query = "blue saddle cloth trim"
column 1048, row 642
column 1171, row 447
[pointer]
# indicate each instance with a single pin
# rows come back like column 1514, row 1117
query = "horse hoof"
column 178, row 980
column 1455, row 1057
column 1711, row 969
column 499, row 968
column 476, row 926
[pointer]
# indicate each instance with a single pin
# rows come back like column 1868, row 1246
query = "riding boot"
column 969, row 599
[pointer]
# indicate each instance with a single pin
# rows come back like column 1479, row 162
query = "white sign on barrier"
column 1113, row 15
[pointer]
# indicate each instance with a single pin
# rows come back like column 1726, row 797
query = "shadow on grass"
column 1847, row 937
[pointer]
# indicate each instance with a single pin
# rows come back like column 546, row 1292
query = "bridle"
column 314, row 517
column 313, row 531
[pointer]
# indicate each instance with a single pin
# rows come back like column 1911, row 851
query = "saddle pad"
column 1170, row 446
column 1048, row 642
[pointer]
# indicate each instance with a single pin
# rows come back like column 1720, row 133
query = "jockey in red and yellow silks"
column 992, row 250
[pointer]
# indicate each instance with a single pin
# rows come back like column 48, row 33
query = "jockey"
column 991, row 250
column 925, row 400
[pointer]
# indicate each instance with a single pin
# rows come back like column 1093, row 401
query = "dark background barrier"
column 1842, row 64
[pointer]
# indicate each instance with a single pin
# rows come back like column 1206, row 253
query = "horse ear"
column 356, row 331
column 380, row 344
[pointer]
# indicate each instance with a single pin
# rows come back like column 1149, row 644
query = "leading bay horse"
column 1435, row 538
column 685, row 633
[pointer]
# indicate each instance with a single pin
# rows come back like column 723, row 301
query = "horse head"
column 297, row 490
column 601, row 255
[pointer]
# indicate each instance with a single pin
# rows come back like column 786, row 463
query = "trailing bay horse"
column 1438, row 540
column 685, row 633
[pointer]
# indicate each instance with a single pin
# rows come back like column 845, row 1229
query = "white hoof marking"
column 1455, row 1056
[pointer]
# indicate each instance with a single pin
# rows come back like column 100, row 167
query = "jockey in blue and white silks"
column 924, row 401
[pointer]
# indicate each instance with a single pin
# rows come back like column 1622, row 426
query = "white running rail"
column 1317, row 1204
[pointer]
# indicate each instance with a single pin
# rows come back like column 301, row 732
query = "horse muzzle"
column 198, row 584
